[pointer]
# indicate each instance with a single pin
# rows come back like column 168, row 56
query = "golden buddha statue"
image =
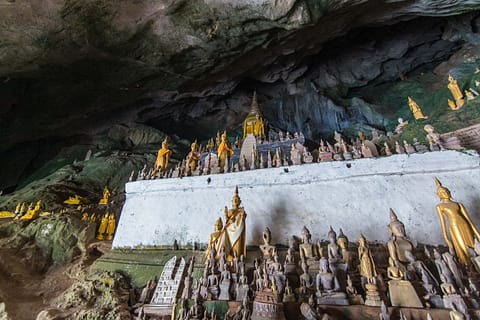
column 452, row 105
column 253, row 123
column 106, row 196
column 224, row 151
column 456, row 92
column 232, row 237
column 461, row 229
column 32, row 213
column 214, row 236
column 76, row 199
column 367, row 265
column 85, row 217
column 110, row 226
column 102, row 227
column 417, row 112
column 307, row 249
column 192, row 158
column 163, row 157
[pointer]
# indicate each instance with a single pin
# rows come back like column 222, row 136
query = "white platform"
column 354, row 195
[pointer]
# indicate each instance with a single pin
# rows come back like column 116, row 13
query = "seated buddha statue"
column 308, row 250
column 267, row 249
column 214, row 236
column 163, row 157
column 399, row 247
column 106, row 196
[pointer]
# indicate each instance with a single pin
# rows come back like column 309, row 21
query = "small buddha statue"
column 399, row 148
column 224, row 152
column 416, row 111
column 215, row 235
column 163, row 157
column 110, row 226
column 288, row 295
column 456, row 91
column 192, row 158
column 400, row 248
column 326, row 280
column 106, row 196
column 102, row 227
column 333, row 250
column 84, row 217
column 388, row 152
column 32, row 213
column 401, row 124
column 267, row 249
column 367, row 265
column 305, row 279
column 442, row 267
column 461, row 231
column 433, row 138
column 307, row 249
column 409, row 149
column 469, row 95
column 346, row 256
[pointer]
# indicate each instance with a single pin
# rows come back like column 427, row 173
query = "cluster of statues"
column 106, row 227
column 312, row 274
column 22, row 212
column 455, row 104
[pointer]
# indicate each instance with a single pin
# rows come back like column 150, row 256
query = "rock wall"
column 354, row 195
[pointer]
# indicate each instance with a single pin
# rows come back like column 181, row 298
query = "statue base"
column 402, row 294
column 373, row 296
column 335, row 298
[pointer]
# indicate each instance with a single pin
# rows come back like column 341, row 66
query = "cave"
column 90, row 89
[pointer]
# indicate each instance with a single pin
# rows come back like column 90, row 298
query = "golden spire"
column 254, row 108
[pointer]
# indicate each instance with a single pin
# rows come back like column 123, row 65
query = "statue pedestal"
column 325, row 156
column 402, row 294
column 224, row 291
column 372, row 296
column 335, row 298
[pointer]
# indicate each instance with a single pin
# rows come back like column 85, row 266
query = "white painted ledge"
column 354, row 195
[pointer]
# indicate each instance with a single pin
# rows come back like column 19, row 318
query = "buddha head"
column 396, row 227
column 342, row 240
column 451, row 78
column 442, row 192
column 236, row 199
column 429, row 128
column 224, row 136
column 332, row 236
column 165, row 144
column 194, row 146
column 218, row 225
column 306, row 236
column 323, row 265
column 267, row 236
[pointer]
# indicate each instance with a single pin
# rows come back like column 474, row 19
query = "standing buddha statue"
column 224, row 152
column 214, row 237
column 456, row 92
column 111, row 226
column 162, row 159
column 232, row 237
column 417, row 112
column 461, row 231
column 102, row 227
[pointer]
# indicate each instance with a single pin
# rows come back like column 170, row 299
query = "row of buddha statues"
column 456, row 104
column 106, row 224
column 335, row 274
column 220, row 162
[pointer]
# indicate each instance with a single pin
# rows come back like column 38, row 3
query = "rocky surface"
column 71, row 69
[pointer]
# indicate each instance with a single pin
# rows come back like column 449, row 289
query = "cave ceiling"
column 70, row 69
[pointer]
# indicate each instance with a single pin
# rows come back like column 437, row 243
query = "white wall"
column 356, row 199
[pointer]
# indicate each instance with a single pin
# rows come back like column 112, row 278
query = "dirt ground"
column 26, row 292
